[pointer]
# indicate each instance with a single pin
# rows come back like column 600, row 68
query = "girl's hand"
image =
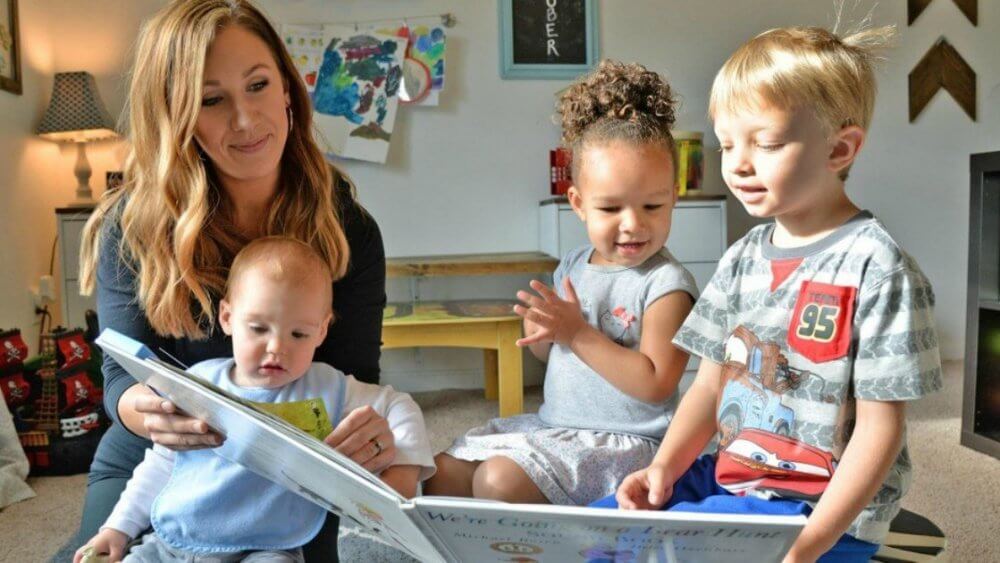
column 169, row 426
column 108, row 542
column 646, row 489
column 364, row 436
column 557, row 320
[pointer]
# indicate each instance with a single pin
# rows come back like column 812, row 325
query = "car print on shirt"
column 755, row 377
column 757, row 460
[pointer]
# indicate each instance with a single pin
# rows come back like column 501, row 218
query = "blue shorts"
column 697, row 491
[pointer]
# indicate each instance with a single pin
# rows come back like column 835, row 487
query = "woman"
column 221, row 152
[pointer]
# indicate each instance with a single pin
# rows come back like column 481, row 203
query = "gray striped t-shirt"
column 801, row 334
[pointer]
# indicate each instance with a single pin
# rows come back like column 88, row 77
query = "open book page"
column 479, row 531
column 279, row 451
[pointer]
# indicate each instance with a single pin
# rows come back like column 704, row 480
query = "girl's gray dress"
column 588, row 436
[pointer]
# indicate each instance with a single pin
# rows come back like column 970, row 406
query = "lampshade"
column 75, row 113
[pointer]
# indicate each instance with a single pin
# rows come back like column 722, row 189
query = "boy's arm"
column 870, row 453
column 690, row 430
column 132, row 512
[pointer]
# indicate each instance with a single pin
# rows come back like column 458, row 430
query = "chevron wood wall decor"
column 942, row 67
column 968, row 7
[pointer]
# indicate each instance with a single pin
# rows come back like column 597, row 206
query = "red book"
column 560, row 177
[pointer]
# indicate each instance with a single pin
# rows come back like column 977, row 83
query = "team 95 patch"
column 820, row 328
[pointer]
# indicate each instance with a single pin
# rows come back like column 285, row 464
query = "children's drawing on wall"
column 356, row 90
column 423, row 70
column 305, row 44
column 427, row 46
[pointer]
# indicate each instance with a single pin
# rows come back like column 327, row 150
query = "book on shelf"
column 438, row 529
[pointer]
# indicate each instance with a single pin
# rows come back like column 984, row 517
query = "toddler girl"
column 612, row 373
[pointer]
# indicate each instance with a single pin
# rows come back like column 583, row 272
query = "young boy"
column 277, row 310
column 814, row 330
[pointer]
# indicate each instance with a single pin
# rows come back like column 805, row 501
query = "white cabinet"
column 70, row 222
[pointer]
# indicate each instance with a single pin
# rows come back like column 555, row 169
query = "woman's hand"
column 167, row 425
column 108, row 542
column 553, row 318
column 364, row 436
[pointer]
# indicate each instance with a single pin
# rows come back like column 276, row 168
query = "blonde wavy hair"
column 795, row 67
column 177, row 223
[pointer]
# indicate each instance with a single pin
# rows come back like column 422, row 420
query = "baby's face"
column 276, row 328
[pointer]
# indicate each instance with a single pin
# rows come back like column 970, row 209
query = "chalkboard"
column 547, row 38
column 550, row 32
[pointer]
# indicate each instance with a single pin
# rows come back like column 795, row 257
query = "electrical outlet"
column 47, row 288
column 40, row 297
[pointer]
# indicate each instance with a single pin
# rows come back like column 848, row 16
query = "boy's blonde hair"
column 796, row 67
column 281, row 259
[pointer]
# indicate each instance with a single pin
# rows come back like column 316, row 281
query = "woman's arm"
column 406, row 435
column 118, row 308
column 132, row 405
column 353, row 343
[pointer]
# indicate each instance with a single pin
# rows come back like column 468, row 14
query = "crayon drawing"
column 355, row 96
column 427, row 45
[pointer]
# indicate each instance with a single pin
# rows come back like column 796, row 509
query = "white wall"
column 466, row 176
column 36, row 176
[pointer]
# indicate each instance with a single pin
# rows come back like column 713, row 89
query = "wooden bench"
column 472, row 323
column 489, row 325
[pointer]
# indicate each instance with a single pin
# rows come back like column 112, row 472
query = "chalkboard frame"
column 545, row 71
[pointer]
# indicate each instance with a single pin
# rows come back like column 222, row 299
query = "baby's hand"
column 557, row 320
column 646, row 489
column 109, row 542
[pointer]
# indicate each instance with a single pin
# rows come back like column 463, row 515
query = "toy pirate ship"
column 54, row 400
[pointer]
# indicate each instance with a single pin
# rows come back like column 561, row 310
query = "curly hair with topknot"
column 618, row 101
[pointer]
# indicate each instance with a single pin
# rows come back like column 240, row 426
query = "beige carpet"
column 956, row 487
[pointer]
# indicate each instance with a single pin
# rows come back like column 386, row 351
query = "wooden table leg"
column 511, row 369
column 490, row 373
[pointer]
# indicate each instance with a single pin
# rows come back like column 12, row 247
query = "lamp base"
column 82, row 203
column 84, row 197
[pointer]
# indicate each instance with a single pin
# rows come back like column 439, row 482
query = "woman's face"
column 243, row 124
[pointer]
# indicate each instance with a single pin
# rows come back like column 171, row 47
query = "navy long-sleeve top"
column 352, row 344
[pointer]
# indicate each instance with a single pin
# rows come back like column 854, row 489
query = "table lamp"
column 77, row 115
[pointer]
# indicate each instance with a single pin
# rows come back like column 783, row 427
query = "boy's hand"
column 108, row 542
column 557, row 320
column 646, row 489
